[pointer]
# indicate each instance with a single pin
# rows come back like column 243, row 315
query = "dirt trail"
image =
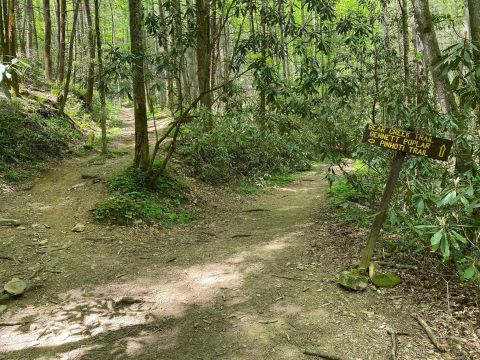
column 253, row 279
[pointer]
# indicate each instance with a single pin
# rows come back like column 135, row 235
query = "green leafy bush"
column 134, row 200
column 235, row 147
column 27, row 139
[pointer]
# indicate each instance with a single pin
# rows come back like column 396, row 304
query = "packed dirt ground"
column 252, row 277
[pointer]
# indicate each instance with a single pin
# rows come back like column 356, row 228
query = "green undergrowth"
column 236, row 149
column 28, row 138
column 134, row 201
column 348, row 201
column 348, row 193
column 253, row 187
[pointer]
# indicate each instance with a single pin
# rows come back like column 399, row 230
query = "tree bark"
column 48, row 40
column 31, row 29
column 2, row 30
column 403, row 6
column 203, row 51
column 166, row 45
column 101, row 78
column 91, row 60
column 141, row 158
column 12, row 44
column 263, row 46
column 62, row 98
column 443, row 88
column 61, row 28
column 474, row 20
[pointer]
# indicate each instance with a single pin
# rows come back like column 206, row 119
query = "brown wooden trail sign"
column 407, row 142
column 404, row 142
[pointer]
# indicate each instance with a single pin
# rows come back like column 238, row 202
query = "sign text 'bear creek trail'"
column 407, row 142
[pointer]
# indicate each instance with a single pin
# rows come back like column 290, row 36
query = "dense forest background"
column 259, row 88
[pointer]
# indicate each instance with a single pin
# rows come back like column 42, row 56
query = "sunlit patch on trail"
column 71, row 355
column 134, row 345
column 294, row 190
column 281, row 243
column 115, row 306
column 289, row 208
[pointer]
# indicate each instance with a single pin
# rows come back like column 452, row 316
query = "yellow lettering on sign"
column 441, row 153
column 392, row 145
column 417, row 151
column 425, row 138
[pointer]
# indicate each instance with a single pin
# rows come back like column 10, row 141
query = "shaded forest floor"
column 252, row 278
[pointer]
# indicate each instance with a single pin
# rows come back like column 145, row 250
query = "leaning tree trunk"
column 445, row 94
column 62, row 98
column 139, row 98
column 91, row 60
column 48, row 40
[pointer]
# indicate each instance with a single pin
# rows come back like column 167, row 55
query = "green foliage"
column 134, row 200
column 237, row 148
column 433, row 210
column 27, row 139
column 347, row 200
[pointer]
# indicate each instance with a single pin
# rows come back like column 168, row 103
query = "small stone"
column 43, row 242
column 353, row 280
column 79, row 227
column 21, row 228
column 387, row 280
column 15, row 286
column 3, row 308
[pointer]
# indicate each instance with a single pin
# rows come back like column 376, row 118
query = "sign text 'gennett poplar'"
column 407, row 142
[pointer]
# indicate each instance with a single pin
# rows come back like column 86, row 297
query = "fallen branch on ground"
column 321, row 354
column 12, row 323
column 291, row 278
column 431, row 335
column 393, row 336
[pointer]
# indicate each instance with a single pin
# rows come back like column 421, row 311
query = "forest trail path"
column 253, row 279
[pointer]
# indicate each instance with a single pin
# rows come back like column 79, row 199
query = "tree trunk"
column 62, row 98
column 474, row 20
column 263, row 45
column 3, row 44
column 139, row 98
column 30, row 21
column 166, row 45
column 203, row 51
column 445, row 94
column 20, row 27
column 11, row 44
column 48, row 40
column 61, row 28
column 284, row 49
column 101, row 78
column 403, row 7
column 91, row 62
column 112, row 16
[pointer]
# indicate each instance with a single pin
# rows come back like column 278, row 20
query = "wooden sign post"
column 404, row 142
